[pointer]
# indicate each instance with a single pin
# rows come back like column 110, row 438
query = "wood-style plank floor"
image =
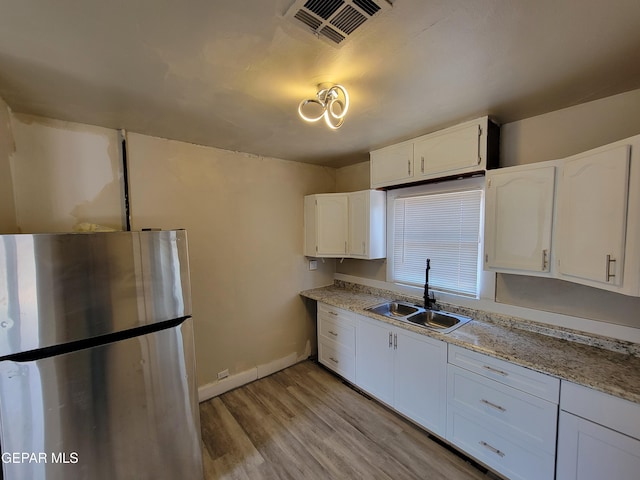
column 304, row 423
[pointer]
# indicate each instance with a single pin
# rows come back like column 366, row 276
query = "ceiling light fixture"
column 331, row 103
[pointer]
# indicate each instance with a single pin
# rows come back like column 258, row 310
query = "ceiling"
column 231, row 74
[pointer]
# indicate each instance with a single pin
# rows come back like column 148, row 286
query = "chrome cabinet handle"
column 334, row 360
column 390, row 340
column 608, row 269
column 345, row 246
column 409, row 167
column 333, row 333
column 495, row 370
column 333, row 313
column 479, row 144
column 500, row 453
column 545, row 262
column 395, row 341
column 422, row 165
column 493, row 405
column 363, row 249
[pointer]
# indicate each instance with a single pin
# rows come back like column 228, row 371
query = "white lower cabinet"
column 405, row 370
column 337, row 340
column 503, row 415
column 598, row 437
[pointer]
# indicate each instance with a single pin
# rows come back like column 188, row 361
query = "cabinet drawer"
column 525, row 417
column 339, row 359
column 535, row 383
column 331, row 312
column 616, row 413
column 343, row 333
column 497, row 450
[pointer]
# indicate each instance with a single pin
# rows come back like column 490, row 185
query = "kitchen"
column 244, row 211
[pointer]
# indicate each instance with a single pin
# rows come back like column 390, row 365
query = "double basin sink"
column 437, row 320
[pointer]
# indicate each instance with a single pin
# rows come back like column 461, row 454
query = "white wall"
column 243, row 215
column 244, row 218
column 64, row 174
column 7, row 206
column 570, row 130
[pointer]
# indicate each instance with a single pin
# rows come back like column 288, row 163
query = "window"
column 442, row 223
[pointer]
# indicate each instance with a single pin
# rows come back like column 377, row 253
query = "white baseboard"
column 267, row 369
column 210, row 390
column 214, row 389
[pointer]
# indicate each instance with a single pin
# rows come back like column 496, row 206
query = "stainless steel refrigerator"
column 97, row 372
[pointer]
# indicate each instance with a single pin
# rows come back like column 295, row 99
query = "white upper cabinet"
column 519, row 219
column 449, row 151
column 392, row 165
column 367, row 234
column 326, row 225
column 342, row 225
column 592, row 217
column 466, row 148
column 586, row 230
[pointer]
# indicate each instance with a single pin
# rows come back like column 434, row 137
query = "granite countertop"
column 609, row 366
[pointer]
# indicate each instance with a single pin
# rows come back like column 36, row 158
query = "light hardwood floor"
column 304, row 423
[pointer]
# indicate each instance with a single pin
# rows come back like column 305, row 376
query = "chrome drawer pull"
column 493, row 449
column 333, row 333
column 334, row 314
column 334, row 360
column 495, row 370
column 390, row 340
column 493, row 405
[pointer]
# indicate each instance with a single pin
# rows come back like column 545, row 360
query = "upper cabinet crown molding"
column 584, row 230
column 467, row 148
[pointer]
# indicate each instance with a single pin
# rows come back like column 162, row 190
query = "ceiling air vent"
column 335, row 20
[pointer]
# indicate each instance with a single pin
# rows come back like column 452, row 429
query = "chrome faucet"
column 429, row 300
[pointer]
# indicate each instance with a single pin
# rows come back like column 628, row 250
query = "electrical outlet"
column 223, row 374
column 313, row 264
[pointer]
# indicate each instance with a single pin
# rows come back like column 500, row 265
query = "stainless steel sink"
column 443, row 322
column 395, row 309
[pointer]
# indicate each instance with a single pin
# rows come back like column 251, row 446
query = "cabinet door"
column 588, row 451
column 519, row 215
column 359, row 224
column 374, row 359
column 392, row 165
column 420, row 390
column 332, row 224
column 452, row 149
column 592, row 219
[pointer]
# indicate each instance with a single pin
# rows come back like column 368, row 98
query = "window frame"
column 486, row 280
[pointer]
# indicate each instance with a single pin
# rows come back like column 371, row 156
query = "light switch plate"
column 313, row 264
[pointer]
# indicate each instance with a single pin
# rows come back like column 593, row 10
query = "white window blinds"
column 444, row 227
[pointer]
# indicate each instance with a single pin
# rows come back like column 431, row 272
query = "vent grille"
column 331, row 34
column 368, row 6
column 307, row 19
column 348, row 19
column 323, row 8
column 335, row 20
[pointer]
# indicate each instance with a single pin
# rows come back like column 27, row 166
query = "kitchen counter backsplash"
column 605, row 364
column 612, row 344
